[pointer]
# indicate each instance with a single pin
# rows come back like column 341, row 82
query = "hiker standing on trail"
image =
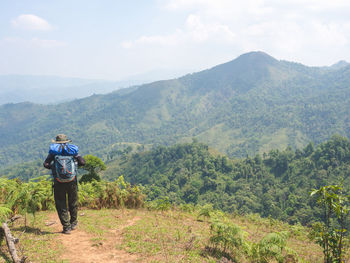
column 63, row 160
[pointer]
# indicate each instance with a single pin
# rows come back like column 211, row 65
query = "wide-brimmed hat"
column 61, row 138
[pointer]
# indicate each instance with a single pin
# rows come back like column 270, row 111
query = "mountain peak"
column 340, row 64
column 256, row 57
column 248, row 61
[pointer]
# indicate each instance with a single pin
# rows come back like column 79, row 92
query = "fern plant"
column 37, row 195
column 4, row 213
column 228, row 238
column 30, row 197
column 270, row 247
column 103, row 194
column 205, row 211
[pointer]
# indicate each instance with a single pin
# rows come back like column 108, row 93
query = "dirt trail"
column 80, row 247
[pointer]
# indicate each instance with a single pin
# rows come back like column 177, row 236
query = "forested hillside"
column 275, row 184
column 250, row 105
column 192, row 181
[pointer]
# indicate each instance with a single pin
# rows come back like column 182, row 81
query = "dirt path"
column 80, row 247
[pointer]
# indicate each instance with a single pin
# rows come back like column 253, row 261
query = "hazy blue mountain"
column 251, row 104
column 53, row 89
column 155, row 75
column 49, row 89
column 340, row 64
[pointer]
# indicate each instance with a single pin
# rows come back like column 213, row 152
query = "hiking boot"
column 74, row 226
column 66, row 231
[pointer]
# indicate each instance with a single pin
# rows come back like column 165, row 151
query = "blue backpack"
column 65, row 164
column 64, row 149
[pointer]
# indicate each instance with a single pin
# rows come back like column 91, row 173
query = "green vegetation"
column 24, row 198
column 257, row 108
column 228, row 239
column 36, row 195
column 162, row 236
column 93, row 165
column 272, row 247
column 165, row 232
column 331, row 232
column 247, row 106
column 34, row 198
column 24, row 171
column 168, row 236
column 276, row 184
column 37, row 241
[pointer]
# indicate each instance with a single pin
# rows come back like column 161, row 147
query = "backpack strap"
column 60, row 149
column 64, row 148
column 67, row 148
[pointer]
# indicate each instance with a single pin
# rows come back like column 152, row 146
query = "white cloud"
column 163, row 40
column 194, row 32
column 308, row 31
column 31, row 22
column 220, row 9
column 200, row 31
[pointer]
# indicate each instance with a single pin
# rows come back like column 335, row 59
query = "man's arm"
column 81, row 160
column 48, row 160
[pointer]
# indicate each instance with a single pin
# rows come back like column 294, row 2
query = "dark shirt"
column 50, row 158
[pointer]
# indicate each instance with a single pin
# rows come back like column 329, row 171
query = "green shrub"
column 228, row 238
column 160, row 204
column 4, row 213
column 190, row 208
column 37, row 195
column 205, row 211
column 103, row 194
column 270, row 247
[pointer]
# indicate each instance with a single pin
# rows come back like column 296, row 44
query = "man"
column 63, row 159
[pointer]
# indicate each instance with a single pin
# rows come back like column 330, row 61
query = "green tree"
column 329, row 234
column 93, row 165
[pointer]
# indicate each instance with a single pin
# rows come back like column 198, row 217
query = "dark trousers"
column 61, row 192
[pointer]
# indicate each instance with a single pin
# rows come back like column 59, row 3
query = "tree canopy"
column 275, row 184
column 93, row 165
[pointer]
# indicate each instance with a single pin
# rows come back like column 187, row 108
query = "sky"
column 117, row 39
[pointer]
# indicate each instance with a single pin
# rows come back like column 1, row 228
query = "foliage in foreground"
column 330, row 234
column 167, row 236
column 228, row 240
column 36, row 195
column 150, row 236
column 176, row 235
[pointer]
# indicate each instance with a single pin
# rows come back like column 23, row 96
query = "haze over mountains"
column 53, row 89
column 249, row 105
column 48, row 89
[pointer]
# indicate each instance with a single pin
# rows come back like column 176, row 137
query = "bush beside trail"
column 36, row 195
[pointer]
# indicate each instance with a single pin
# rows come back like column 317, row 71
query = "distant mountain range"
column 249, row 105
column 54, row 90
column 49, row 89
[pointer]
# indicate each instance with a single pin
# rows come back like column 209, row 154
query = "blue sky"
column 113, row 40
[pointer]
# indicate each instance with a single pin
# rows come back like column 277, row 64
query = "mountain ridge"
column 245, row 106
